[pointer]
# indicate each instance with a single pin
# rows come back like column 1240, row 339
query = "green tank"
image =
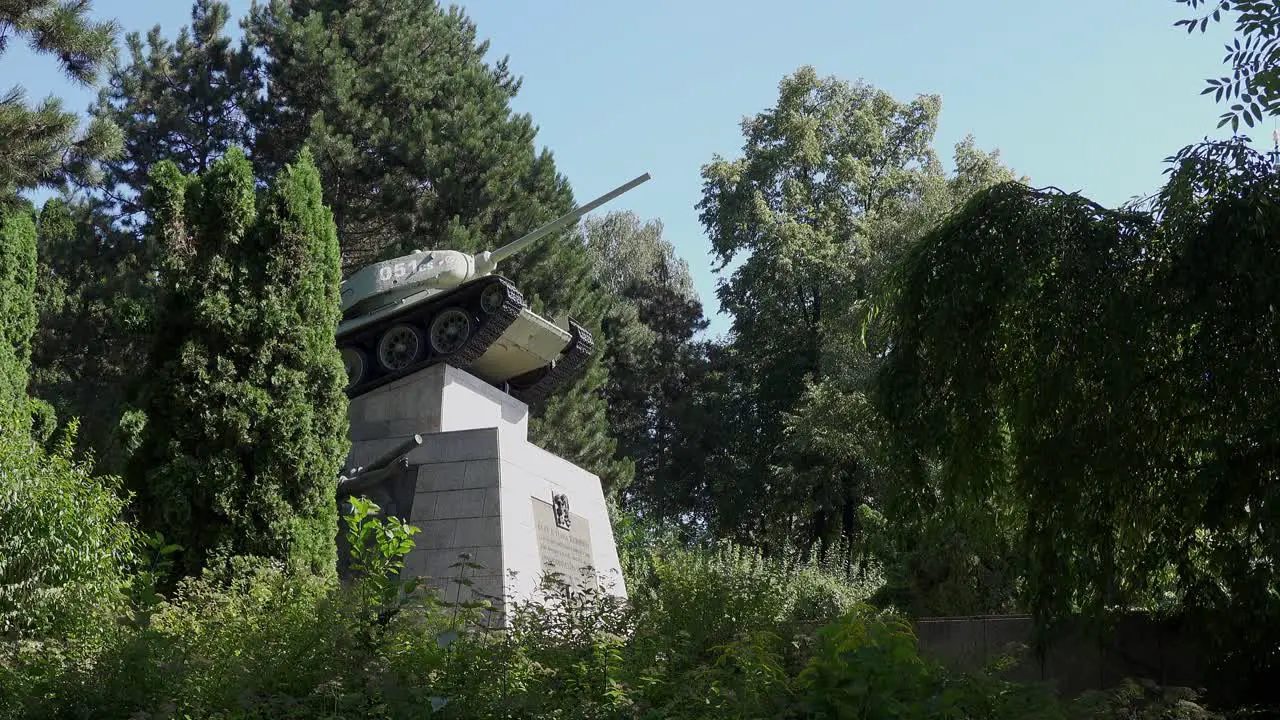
column 444, row 306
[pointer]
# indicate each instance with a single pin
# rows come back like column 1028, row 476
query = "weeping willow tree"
column 1102, row 384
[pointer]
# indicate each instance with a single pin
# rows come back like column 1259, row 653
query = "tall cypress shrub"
column 17, row 312
column 246, row 415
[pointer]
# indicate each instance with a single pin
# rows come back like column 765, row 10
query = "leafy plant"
column 1098, row 377
column 1255, row 79
column 1142, row 699
column 64, row 547
column 377, row 548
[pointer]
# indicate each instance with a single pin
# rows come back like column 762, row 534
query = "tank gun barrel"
column 516, row 246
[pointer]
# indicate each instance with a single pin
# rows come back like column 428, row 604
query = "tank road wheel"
column 450, row 330
column 400, row 346
column 356, row 365
column 492, row 298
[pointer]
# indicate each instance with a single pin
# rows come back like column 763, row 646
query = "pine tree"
column 41, row 147
column 246, row 416
column 421, row 150
column 184, row 101
column 180, row 101
column 94, row 297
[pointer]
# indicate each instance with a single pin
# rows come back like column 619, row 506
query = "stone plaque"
column 567, row 552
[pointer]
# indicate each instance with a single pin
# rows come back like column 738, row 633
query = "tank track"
column 490, row 328
column 575, row 357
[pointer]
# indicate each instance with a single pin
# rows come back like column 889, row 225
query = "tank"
column 444, row 306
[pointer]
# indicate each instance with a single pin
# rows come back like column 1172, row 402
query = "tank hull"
column 504, row 344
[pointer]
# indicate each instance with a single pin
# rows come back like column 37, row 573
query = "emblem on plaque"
column 560, row 507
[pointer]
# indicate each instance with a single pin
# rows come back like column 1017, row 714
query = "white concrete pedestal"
column 476, row 485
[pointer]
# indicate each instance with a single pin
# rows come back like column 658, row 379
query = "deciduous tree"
column 1099, row 381
column 835, row 182
column 1253, row 87
column 650, row 353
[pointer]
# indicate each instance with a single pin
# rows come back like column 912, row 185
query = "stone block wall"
column 456, row 504
column 476, row 486
column 529, row 473
column 440, row 398
column 1076, row 661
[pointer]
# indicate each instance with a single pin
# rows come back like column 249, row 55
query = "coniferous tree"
column 246, row 416
column 41, row 147
column 184, row 101
column 181, row 101
column 94, row 296
column 422, row 150
column 17, row 313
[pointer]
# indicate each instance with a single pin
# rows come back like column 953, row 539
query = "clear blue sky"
column 1089, row 95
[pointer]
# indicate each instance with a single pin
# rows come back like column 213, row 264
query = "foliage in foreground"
column 250, row 640
column 63, row 548
column 1253, row 88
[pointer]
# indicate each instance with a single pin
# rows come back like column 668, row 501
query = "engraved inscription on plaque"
column 567, row 552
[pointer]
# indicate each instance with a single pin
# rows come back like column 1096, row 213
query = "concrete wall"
column 440, row 398
column 530, row 472
column 1140, row 647
column 473, row 492
column 456, row 504
column 472, row 484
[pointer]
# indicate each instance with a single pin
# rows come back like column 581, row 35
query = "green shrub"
column 714, row 634
column 247, row 639
column 707, row 598
column 866, row 665
column 254, row 638
column 64, row 549
column 246, row 419
column 1140, row 699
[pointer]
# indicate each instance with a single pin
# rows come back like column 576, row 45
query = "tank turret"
column 433, row 306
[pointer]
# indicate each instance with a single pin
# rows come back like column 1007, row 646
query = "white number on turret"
column 399, row 271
